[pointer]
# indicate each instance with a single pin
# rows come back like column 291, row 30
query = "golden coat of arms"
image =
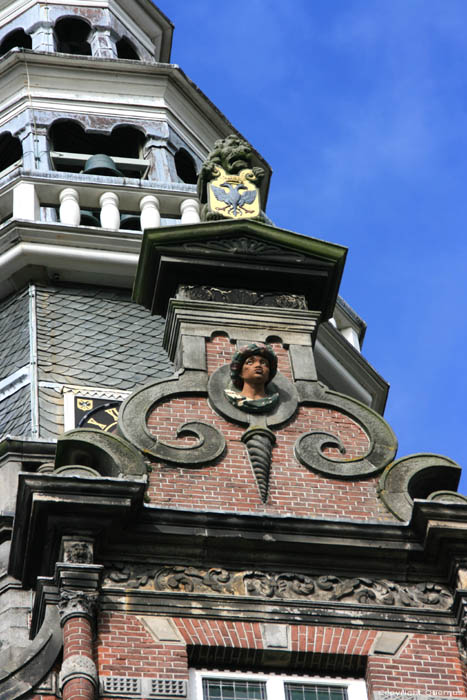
column 234, row 196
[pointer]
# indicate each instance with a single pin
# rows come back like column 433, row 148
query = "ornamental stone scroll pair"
column 261, row 404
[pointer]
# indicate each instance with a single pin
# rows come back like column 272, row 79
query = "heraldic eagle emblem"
column 234, row 196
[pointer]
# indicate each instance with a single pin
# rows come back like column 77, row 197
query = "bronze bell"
column 130, row 222
column 101, row 164
column 88, row 218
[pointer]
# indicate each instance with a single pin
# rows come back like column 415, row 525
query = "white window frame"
column 356, row 689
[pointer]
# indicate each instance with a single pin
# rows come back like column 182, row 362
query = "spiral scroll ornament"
column 259, row 443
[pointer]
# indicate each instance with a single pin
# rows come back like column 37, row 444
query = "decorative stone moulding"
column 229, row 255
column 419, row 476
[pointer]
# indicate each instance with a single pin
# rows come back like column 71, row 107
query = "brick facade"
column 230, row 484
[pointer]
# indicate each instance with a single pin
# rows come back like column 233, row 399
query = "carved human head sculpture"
column 254, row 350
column 251, row 369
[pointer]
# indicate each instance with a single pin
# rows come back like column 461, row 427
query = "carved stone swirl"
column 132, row 422
column 309, row 448
column 285, row 586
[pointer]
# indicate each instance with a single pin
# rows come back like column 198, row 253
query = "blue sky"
column 361, row 110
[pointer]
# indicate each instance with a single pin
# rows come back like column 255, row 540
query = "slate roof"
column 14, row 333
column 15, row 414
column 95, row 336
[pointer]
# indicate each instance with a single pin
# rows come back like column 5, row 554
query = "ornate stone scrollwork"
column 309, row 447
column 283, row 586
column 418, row 476
column 133, row 414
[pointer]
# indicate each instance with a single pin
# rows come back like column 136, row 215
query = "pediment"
column 248, row 255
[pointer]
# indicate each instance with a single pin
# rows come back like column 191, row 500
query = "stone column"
column 103, row 43
column 78, row 676
column 34, row 142
column 42, row 37
column 79, row 582
column 161, row 159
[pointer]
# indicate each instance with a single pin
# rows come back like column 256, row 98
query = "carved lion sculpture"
column 232, row 154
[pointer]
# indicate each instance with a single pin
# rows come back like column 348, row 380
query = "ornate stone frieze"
column 285, row 586
column 77, row 604
column 204, row 292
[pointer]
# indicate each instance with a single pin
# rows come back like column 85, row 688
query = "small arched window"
column 71, row 34
column 185, row 167
column 17, row 39
column 125, row 49
column 10, row 150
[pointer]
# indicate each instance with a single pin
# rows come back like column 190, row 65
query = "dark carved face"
column 255, row 370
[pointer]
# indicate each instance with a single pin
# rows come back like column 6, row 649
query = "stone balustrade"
column 30, row 197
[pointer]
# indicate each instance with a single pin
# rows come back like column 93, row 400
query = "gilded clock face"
column 99, row 414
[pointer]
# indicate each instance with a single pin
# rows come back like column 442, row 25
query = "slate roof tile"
column 14, row 333
column 15, row 413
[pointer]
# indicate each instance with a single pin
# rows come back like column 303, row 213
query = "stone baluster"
column 69, row 207
column 150, row 214
column 189, row 209
column 110, row 214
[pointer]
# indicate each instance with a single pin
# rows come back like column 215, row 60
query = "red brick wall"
column 230, row 484
column 426, row 663
column 125, row 648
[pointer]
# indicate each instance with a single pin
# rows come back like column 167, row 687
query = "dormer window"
column 71, row 34
column 17, row 39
